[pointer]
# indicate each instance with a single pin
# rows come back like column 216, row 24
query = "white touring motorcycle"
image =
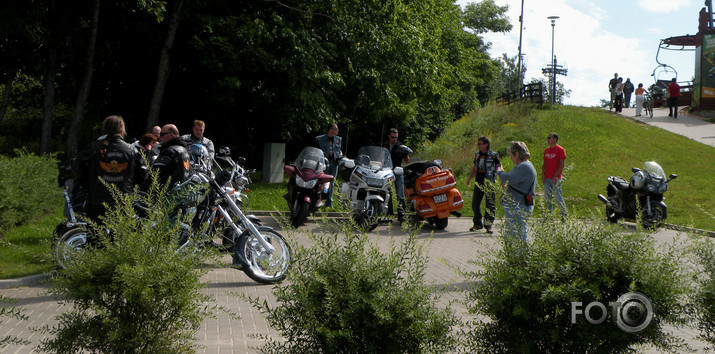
column 367, row 184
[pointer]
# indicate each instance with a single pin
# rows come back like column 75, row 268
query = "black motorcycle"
column 643, row 192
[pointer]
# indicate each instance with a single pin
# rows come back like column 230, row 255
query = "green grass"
column 598, row 144
column 26, row 250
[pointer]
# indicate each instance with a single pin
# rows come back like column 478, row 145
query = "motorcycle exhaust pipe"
column 603, row 199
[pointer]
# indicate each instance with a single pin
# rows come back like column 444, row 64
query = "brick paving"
column 454, row 247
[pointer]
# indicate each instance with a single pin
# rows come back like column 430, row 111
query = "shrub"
column 704, row 297
column 346, row 296
column 28, row 182
column 527, row 290
column 131, row 293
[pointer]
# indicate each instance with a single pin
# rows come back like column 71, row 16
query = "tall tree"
column 164, row 68
column 86, row 83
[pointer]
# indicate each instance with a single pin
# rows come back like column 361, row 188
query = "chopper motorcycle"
column 643, row 192
column 308, row 184
column 367, row 184
column 431, row 192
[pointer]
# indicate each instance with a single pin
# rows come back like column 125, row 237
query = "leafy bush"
column 28, row 182
column 346, row 296
column 704, row 297
column 527, row 290
column 131, row 293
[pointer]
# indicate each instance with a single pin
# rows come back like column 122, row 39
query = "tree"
column 86, row 83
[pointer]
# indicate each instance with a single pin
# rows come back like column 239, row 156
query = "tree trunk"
column 50, row 75
column 6, row 94
column 81, row 103
column 163, row 71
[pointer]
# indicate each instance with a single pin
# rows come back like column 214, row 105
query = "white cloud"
column 663, row 6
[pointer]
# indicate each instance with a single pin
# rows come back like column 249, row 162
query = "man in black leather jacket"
column 112, row 160
column 173, row 161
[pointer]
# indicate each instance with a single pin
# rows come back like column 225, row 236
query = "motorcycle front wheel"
column 655, row 220
column 299, row 213
column 69, row 245
column 261, row 266
column 611, row 215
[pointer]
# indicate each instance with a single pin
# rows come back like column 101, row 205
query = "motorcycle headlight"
column 303, row 184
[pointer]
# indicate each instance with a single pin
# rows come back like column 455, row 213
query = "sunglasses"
column 164, row 133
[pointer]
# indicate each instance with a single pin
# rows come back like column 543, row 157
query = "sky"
column 595, row 39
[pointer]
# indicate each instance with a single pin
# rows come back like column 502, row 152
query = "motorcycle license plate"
column 440, row 198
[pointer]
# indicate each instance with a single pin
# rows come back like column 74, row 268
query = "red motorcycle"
column 308, row 184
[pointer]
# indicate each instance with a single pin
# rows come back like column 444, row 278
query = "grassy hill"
column 598, row 144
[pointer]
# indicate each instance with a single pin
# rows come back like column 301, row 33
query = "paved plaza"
column 454, row 247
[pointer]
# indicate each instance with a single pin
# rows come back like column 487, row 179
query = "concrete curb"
column 29, row 280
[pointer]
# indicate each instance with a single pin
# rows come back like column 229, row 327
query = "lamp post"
column 553, row 60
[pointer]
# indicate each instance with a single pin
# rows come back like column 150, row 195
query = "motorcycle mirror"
column 348, row 163
column 438, row 161
column 635, row 169
column 241, row 161
column 399, row 171
column 672, row 176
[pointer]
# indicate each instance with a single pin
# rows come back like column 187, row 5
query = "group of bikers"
column 111, row 160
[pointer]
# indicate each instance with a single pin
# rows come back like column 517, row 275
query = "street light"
column 553, row 60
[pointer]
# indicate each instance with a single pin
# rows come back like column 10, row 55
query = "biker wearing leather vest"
column 113, row 161
column 173, row 161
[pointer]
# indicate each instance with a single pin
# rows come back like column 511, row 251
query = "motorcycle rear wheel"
column 441, row 224
column 69, row 245
column 656, row 219
column 261, row 266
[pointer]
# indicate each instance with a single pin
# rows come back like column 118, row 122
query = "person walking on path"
column 486, row 163
column 640, row 99
column 554, row 162
column 619, row 95
column 673, row 97
column 612, row 89
column 627, row 91
column 331, row 144
column 519, row 182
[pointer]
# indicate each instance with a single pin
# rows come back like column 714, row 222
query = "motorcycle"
column 431, row 193
column 308, row 184
column 70, row 235
column 643, row 192
column 260, row 251
column 367, row 184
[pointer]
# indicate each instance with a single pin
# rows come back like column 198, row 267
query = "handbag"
column 528, row 199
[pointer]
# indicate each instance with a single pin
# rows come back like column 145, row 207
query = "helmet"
column 638, row 180
column 200, row 159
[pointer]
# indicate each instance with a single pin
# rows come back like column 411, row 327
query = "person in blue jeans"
column 398, row 155
column 554, row 162
column 519, row 184
column 486, row 163
column 331, row 144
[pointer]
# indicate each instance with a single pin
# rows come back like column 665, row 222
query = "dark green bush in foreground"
column 28, row 181
column 346, row 296
column 131, row 294
column 704, row 299
column 524, row 293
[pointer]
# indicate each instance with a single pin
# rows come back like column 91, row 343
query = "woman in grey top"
column 520, row 182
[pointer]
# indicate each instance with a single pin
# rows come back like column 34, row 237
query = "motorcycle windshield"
column 373, row 157
column 311, row 158
column 654, row 169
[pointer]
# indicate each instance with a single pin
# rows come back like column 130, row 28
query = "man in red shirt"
column 673, row 96
column 554, row 161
